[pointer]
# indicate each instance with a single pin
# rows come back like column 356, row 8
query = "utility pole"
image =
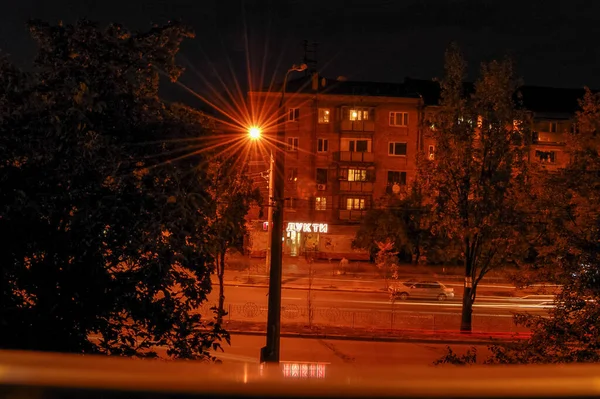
column 270, row 352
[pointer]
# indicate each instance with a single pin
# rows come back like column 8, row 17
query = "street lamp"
column 255, row 133
column 270, row 353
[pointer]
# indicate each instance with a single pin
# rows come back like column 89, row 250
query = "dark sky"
column 554, row 42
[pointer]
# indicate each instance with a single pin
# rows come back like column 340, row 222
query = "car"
column 421, row 289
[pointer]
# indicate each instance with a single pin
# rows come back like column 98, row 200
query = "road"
column 337, row 352
column 361, row 301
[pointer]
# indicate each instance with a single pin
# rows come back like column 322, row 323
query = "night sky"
column 554, row 43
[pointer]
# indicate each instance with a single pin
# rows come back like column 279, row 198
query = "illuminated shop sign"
column 307, row 227
column 304, row 370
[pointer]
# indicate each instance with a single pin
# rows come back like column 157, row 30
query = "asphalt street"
column 362, row 301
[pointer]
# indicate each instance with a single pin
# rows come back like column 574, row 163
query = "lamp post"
column 270, row 352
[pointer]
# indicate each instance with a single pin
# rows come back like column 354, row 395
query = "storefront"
column 324, row 241
column 302, row 237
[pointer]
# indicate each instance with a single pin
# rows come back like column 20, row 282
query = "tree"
column 105, row 248
column 231, row 192
column 402, row 221
column 406, row 222
column 569, row 254
column 479, row 171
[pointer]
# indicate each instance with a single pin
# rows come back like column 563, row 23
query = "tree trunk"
column 220, row 274
column 467, row 311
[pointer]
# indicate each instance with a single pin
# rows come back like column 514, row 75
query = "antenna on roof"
column 310, row 57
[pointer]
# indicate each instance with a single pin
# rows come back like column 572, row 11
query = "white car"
column 421, row 289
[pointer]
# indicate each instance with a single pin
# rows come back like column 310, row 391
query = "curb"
column 367, row 338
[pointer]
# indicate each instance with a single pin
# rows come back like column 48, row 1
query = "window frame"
column 292, row 175
column 402, row 178
column 404, row 119
column 324, row 116
column 350, row 206
column 362, row 174
column 431, row 152
column 323, row 143
column 394, row 144
column 321, row 203
column 317, row 176
column 293, row 114
column 295, row 144
column 553, row 156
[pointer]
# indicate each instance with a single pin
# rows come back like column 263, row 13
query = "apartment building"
column 349, row 143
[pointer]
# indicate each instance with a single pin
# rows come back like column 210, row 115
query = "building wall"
column 301, row 164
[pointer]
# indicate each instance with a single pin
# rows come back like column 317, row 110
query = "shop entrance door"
column 294, row 239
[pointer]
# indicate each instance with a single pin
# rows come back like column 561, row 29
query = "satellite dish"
column 396, row 188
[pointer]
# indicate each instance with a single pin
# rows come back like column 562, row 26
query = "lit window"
column 293, row 114
column 431, row 153
column 479, row 121
column 358, row 114
column 357, row 175
column 355, row 203
column 322, row 145
column 398, row 118
column 324, row 115
column 321, row 203
column 292, row 144
column 397, row 149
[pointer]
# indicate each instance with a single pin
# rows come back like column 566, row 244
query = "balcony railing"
column 358, row 126
column 353, row 215
column 356, row 186
column 352, row 156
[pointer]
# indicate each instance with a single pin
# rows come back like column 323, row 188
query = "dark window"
column 362, row 146
column 397, row 149
column 322, row 145
column 294, row 114
column 321, row 176
column 396, row 177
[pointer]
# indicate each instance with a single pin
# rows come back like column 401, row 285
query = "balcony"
column 358, row 186
column 352, row 156
column 353, row 215
column 357, row 126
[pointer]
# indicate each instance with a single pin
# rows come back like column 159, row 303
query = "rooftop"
column 537, row 99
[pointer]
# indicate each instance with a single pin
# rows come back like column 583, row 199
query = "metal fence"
column 391, row 319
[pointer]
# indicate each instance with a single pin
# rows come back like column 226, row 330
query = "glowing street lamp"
column 254, row 133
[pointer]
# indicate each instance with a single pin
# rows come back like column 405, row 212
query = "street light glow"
column 254, row 133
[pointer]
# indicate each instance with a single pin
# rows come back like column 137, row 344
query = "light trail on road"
column 361, row 301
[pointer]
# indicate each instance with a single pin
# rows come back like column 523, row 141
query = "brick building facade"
column 349, row 143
